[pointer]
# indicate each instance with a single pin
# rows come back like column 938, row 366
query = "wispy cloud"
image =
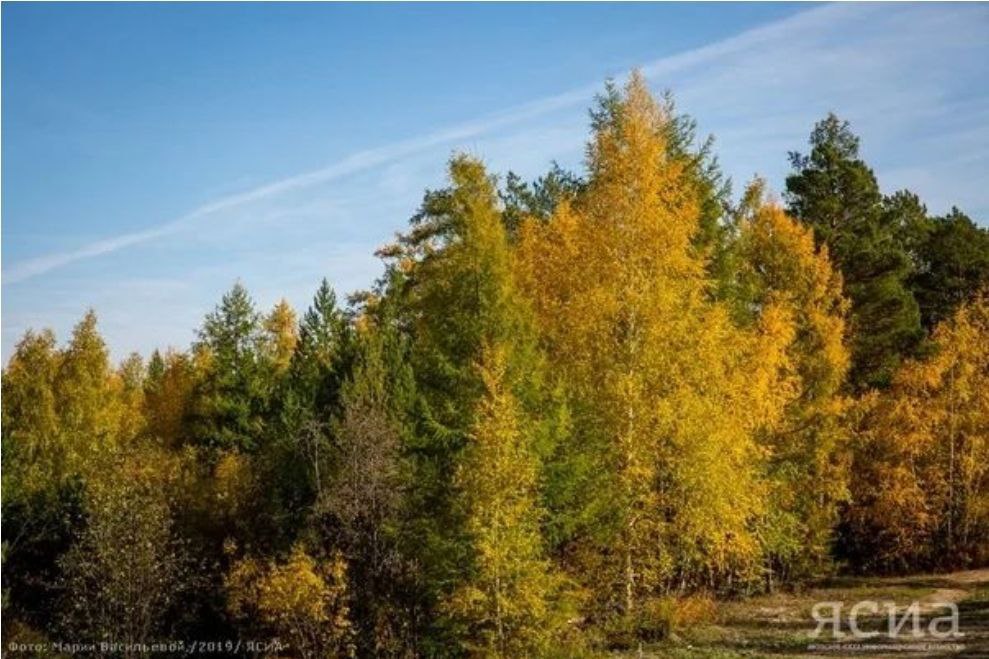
column 391, row 153
column 922, row 113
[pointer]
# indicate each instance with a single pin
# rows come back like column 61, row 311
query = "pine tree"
column 953, row 266
column 834, row 191
column 320, row 359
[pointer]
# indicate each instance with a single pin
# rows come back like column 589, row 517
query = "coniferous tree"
column 537, row 199
column 455, row 292
column 319, row 362
column 953, row 266
column 834, row 191
column 232, row 392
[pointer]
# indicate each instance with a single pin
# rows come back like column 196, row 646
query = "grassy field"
column 780, row 625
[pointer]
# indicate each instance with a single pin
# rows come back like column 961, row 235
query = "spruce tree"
column 232, row 394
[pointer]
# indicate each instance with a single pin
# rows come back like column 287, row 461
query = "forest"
column 570, row 410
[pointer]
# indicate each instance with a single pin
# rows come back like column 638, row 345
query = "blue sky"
column 153, row 154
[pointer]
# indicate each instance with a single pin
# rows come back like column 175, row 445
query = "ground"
column 780, row 624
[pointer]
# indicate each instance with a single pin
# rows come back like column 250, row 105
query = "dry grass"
column 780, row 624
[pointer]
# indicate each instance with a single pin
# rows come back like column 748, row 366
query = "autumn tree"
column 127, row 569
column 302, row 600
column 169, row 387
column 662, row 420
column 779, row 268
column 920, row 483
column 32, row 452
column 452, row 282
column 88, row 408
column 42, row 497
column 361, row 486
column 281, row 336
column 509, row 602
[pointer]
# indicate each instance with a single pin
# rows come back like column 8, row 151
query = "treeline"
column 567, row 407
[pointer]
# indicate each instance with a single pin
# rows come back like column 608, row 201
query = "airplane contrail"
column 366, row 159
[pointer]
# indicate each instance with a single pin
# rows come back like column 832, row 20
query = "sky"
column 154, row 154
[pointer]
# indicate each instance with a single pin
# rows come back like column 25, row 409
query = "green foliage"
column 538, row 199
column 233, row 390
column 952, row 266
column 361, row 491
column 568, row 411
column 835, row 192
column 319, row 361
column 512, row 602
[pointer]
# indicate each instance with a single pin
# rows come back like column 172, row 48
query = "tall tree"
column 320, row 359
column 232, row 393
column 42, row 495
column 779, row 268
column 835, row 192
column 660, row 429
column 453, row 281
column 508, row 602
column 361, row 486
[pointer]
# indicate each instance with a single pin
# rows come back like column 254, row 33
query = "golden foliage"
column 300, row 600
column 666, row 389
column 513, row 602
column 921, row 486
